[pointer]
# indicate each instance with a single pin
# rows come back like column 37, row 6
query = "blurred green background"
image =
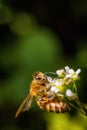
column 40, row 36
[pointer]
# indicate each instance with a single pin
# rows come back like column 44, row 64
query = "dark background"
column 40, row 36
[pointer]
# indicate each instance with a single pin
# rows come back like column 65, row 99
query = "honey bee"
column 37, row 88
column 46, row 100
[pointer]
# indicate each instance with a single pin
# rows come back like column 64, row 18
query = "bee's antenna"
column 50, row 73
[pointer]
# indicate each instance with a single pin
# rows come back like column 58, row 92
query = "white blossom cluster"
column 64, row 83
column 68, row 73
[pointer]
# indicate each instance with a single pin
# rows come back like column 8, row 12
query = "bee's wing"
column 79, row 106
column 25, row 105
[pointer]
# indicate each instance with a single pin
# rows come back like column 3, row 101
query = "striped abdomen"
column 58, row 107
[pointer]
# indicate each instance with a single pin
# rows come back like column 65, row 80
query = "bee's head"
column 40, row 77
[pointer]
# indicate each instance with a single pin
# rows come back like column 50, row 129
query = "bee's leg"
column 50, row 96
column 41, row 101
column 41, row 91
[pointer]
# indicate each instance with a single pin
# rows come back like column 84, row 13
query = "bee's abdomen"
column 58, row 107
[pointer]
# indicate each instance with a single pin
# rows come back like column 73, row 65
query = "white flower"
column 68, row 76
column 54, row 89
column 58, row 82
column 60, row 72
column 69, row 93
column 67, row 68
column 70, row 73
column 78, row 71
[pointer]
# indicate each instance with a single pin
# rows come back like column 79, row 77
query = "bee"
column 37, row 89
column 40, row 88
